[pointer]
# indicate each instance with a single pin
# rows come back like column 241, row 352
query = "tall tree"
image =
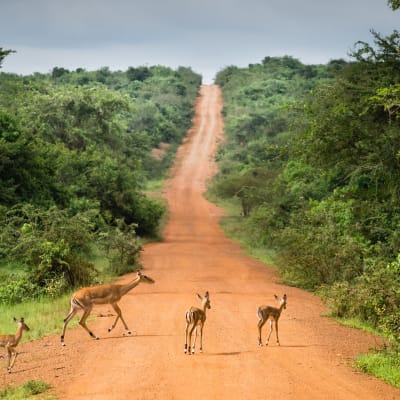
column 394, row 4
column 4, row 54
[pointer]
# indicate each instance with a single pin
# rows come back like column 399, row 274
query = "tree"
column 58, row 72
column 389, row 98
column 394, row 4
column 74, row 157
column 138, row 74
column 4, row 54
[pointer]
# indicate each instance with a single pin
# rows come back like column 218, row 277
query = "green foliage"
column 52, row 245
column 389, row 98
column 319, row 247
column 122, row 247
column 374, row 297
column 326, row 140
column 248, row 187
column 29, row 390
column 17, row 287
column 75, row 155
column 4, row 54
column 138, row 74
column 394, row 4
column 384, row 364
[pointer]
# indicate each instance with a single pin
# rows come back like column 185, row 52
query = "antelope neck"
column 126, row 288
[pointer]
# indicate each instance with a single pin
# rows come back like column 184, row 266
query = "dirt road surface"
column 316, row 354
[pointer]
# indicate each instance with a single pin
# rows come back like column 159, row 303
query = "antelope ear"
column 199, row 296
column 276, row 296
column 207, row 295
column 15, row 319
column 139, row 273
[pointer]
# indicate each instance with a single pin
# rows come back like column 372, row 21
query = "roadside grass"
column 232, row 225
column 383, row 363
column 29, row 390
column 43, row 316
column 154, row 186
column 357, row 324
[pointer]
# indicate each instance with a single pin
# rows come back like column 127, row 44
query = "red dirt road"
column 313, row 361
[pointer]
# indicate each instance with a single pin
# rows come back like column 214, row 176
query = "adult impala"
column 272, row 314
column 196, row 317
column 84, row 299
column 10, row 342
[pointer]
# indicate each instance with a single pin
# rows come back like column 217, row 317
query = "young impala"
column 272, row 314
column 84, row 299
column 195, row 317
column 10, row 342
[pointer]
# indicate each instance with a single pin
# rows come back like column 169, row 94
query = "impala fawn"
column 272, row 314
column 10, row 342
column 196, row 317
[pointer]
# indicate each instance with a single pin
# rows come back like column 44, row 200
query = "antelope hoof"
column 62, row 344
column 201, row 350
column 129, row 332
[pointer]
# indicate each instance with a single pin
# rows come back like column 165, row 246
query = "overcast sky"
column 206, row 35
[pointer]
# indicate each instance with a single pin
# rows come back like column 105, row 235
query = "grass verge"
column 43, row 316
column 29, row 390
column 384, row 364
column 232, row 225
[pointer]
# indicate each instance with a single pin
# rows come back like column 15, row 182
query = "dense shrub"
column 75, row 156
column 327, row 138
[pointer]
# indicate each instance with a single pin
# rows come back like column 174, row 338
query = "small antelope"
column 195, row 317
column 10, row 342
column 266, row 313
column 84, row 299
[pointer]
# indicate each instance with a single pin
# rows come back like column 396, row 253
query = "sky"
column 206, row 35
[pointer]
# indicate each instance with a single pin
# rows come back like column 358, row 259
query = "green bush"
column 18, row 288
column 25, row 391
column 50, row 243
column 374, row 298
column 122, row 247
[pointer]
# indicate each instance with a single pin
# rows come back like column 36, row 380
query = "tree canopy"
column 76, row 151
column 3, row 54
column 394, row 4
column 313, row 157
